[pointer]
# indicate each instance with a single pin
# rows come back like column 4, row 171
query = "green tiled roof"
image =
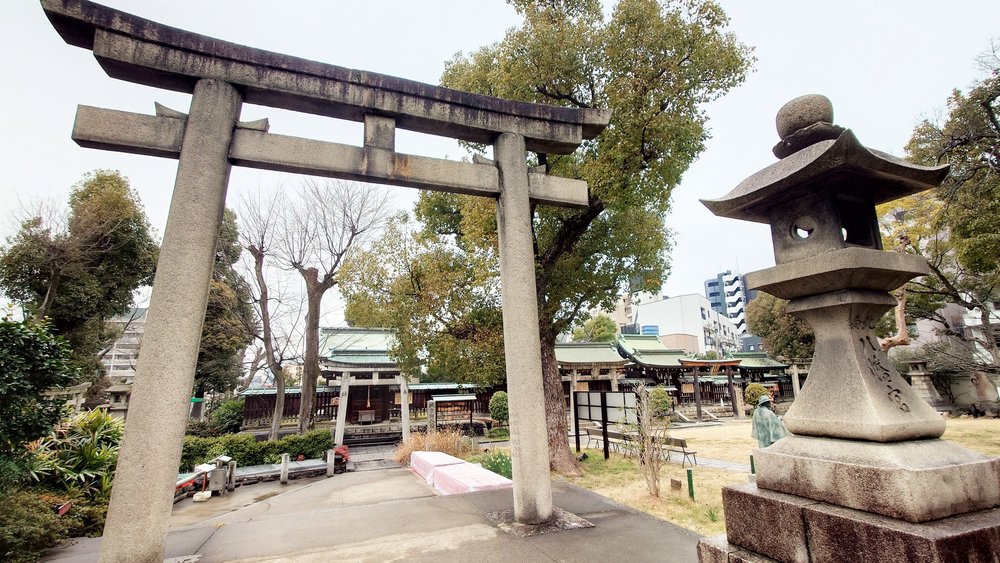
column 758, row 360
column 588, row 353
column 356, row 346
column 647, row 350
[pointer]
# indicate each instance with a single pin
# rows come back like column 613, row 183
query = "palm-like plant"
column 80, row 454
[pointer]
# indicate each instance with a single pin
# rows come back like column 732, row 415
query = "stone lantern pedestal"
column 865, row 477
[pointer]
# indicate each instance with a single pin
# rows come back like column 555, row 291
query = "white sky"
column 884, row 64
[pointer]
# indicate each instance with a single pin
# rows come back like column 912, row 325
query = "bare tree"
column 277, row 310
column 329, row 221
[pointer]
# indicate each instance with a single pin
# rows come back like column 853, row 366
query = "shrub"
column 243, row 448
column 497, row 462
column 246, row 450
column 498, row 407
column 451, row 442
column 80, row 455
column 202, row 429
column 195, row 451
column 753, row 393
column 660, row 402
column 32, row 360
column 28, row 526
column 228, row 416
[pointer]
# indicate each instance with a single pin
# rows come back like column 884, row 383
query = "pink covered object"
column 467, row 478
column 425, row 463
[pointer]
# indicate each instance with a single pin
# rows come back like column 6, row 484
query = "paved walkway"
column 392, row 515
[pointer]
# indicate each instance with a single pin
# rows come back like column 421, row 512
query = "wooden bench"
column 679, row 445
column 615, row 439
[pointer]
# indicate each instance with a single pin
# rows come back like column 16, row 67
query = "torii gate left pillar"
column 207, row 141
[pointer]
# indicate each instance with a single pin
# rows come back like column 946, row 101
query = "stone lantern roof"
column 841, row 165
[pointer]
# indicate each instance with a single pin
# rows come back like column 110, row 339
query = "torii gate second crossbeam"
column 210, row 138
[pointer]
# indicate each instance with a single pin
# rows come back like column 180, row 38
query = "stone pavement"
column 391, row 515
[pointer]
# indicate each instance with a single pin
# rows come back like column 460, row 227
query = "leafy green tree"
column 498, row 407
column 81, row 269
column 32, row 360
column 598, row 328
column 442, row 302
column 783, row 335
column 229, row 319
column 653, row 65
column 958, row 229
column 753, row 393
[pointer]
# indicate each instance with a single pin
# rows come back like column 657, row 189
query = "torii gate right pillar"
column 521, row 341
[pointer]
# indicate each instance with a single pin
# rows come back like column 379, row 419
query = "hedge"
column 246, row 450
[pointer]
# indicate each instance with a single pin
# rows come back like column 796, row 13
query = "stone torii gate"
column 210, row 138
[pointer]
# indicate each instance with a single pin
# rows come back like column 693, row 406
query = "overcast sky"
column 884, row 64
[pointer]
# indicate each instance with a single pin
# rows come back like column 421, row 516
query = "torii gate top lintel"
column 146, row 52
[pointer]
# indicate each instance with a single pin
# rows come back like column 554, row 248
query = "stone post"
column 331, row 463
column 404, row 407
column 795, row 379
column 572, row 395
column 283, row 476
column 345, row 387
column 522, row 345
column 614, row 380
column 142, row 498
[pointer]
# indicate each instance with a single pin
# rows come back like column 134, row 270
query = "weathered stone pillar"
column 614, row 380
column 345, row 387
column 522, row 345
column 795, row 379
column 404, row 407
column 139, row 512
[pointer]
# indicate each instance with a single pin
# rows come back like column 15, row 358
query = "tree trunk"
column 310, row 368
column 561, row 459
column 279, row 404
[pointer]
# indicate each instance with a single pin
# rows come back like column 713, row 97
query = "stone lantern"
column 866, row 459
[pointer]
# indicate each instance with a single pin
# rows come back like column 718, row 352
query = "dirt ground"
column 731, row 441
column 620, row 479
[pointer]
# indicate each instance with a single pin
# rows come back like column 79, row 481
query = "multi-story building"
column 728, row 294
column 120, row 360
column 677, row 319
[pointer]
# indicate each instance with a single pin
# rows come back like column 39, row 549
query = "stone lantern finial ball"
column 803, row 112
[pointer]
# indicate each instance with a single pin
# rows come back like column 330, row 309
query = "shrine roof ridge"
column 138, row 50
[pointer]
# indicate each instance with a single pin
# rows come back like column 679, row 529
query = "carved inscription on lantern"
column 883, row 372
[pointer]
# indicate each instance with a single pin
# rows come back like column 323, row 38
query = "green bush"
column 753, row 393
column 195, row 451
column 80, row 455
column 246, row 450
column 28, row 526
column 243, row 448
column 202, row 429
column 32, row 360
column 660, row 402
column 498, row 407
column 228, row 416
column 497, row 462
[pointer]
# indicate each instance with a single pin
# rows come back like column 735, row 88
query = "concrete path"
column 391, row 515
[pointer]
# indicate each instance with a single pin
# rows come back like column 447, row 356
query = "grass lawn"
column 618, row 478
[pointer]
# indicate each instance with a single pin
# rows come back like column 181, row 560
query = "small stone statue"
column 767, row 427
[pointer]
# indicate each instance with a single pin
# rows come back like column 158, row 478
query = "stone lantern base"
column 821, row 499
column 768, row 526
